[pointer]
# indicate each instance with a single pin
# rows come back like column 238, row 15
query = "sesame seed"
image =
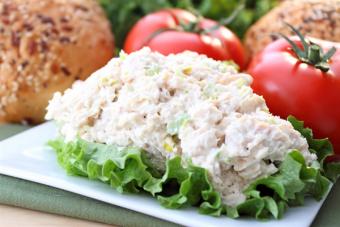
column 27, row 27
column 44, row 46
column 65, row 70
column 55, row 31
column 45, row 19
column 32, row 47
column 15, row 39
column 64, row 39
column 24, row 64
column 64, row 19
column 81, row 8
column 54, row 68
column 67, row 28
column 5, row 21
column 5, row 9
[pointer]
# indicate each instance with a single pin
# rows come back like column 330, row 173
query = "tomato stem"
column 311, row 53
column 228, row 20
column 193, row 26
column 314, row 54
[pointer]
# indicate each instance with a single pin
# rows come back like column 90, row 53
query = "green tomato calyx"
column 311, row 54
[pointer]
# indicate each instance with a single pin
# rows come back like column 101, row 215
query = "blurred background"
column 123, row 14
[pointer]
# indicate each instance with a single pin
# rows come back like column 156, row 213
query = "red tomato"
column 163, row 31
column 291, row 87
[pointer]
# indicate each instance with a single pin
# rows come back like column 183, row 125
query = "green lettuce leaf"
column 194, row 188
column 121, row 167
column 271, row 195
column 321, row 147
column 127, row 169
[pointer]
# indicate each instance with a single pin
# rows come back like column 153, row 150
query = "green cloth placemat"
column 35, row 196
column 39, row 197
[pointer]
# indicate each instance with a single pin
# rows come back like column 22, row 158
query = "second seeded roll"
column 315, row 18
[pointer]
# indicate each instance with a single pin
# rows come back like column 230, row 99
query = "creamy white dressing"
column 184, row 104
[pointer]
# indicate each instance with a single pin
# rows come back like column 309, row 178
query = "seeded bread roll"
column 315, row 18
column 44, row 47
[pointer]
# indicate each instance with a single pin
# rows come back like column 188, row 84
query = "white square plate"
column 26, row 156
